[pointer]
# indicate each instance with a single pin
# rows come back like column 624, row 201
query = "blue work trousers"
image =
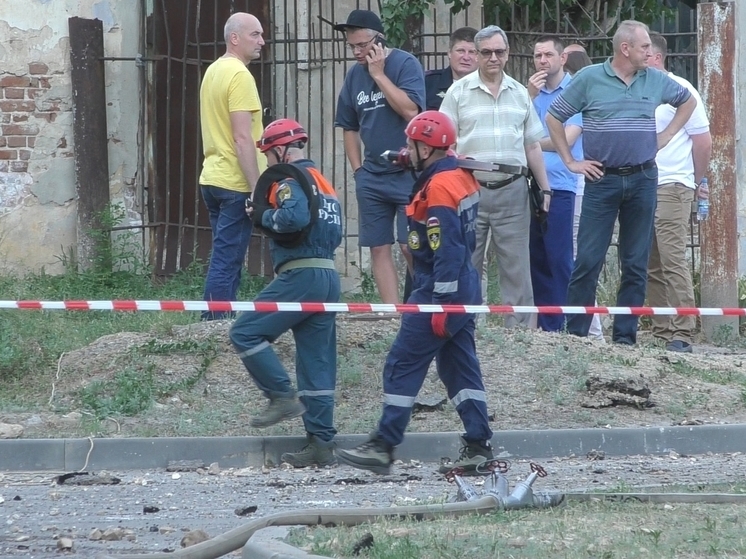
column 407, row 363
column 231, row 233
column 632, row 199
column 551, row 258
column 315, row 342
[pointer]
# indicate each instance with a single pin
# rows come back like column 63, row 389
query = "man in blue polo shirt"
column 550, row 246
column 617, row 100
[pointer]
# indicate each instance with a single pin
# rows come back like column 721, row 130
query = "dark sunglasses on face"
column 487, row 53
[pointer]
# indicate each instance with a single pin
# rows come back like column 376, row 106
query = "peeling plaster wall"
column 37, row 178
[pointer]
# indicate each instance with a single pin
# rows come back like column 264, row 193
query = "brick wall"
column 23, row 111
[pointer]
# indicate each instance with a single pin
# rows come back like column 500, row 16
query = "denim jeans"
column 632, row 199
column 231, row 232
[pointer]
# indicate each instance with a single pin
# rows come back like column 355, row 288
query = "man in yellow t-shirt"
column 231, row 119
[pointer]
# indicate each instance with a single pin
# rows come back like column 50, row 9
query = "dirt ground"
column 533, row 380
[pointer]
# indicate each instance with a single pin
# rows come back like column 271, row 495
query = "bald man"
column 617, row 100
column 575, row 47
column 231, row 120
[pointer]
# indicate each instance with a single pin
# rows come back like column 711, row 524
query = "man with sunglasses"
column 380, row 95
column 496, row 122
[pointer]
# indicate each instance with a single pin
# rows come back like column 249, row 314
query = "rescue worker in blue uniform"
column 441, row 238
column 304, row 272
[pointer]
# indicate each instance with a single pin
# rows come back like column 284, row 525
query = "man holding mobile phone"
column 380, row 95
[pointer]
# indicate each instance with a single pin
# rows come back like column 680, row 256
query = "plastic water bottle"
column 703, row 204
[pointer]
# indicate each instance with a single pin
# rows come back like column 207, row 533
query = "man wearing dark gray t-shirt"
column 380, row 95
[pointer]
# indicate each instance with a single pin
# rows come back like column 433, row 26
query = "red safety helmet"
column 432, row 128
column 281, row 132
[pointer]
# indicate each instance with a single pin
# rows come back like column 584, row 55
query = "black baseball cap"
column 361, row 19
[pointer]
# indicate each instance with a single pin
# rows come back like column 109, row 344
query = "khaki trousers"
column 669, row 272
column 505, row 213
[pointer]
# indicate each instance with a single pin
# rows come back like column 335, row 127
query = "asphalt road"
column 36, row 511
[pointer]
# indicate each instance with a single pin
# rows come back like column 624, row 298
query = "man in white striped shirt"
column 497, row 123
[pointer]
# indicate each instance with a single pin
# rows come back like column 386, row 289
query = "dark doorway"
column 185, row 36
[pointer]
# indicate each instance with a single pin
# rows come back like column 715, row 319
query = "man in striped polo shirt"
column 617, row 100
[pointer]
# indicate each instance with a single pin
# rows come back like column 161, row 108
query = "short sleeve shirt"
column 489, row 129
column 363, row 107
column 618, row 118
column 675, row 161
column 560, row 177
column 227, row 87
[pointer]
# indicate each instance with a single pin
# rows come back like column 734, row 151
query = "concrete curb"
column 240, row 452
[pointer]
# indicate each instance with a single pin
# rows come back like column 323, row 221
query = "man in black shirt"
column 462, row 57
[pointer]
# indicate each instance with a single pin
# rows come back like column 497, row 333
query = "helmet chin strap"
column 280, row 155
column 420, row 162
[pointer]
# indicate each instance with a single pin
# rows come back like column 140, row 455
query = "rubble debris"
column 184, row 465
column 429, row 404
column 245, row 511
column 366, row 542
column 86, row 478
column 609, row 392
column 194, row 537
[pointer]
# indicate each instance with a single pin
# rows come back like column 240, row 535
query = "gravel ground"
column 36, row 512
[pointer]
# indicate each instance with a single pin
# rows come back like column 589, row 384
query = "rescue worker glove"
column 258, row 211
column 438, row 323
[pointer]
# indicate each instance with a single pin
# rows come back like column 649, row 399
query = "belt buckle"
column 624, row 171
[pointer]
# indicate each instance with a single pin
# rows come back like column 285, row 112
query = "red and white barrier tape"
column 223, row 306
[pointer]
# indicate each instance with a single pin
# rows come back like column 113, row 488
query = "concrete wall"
column 37, row 180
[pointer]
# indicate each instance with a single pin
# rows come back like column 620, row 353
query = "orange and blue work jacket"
column 442, row 233
column 291, row 213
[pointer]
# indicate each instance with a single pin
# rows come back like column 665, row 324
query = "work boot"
column 279, row 409
column 376, row 455
column 315, row 453
column 472, row 455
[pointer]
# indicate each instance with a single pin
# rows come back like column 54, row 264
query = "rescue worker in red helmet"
column 304, row 272
column 441, row 238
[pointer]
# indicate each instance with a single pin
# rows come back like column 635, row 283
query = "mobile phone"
column 380, row 41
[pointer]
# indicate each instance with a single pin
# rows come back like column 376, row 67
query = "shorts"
column 380, row 199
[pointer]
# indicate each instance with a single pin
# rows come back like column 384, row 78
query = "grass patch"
column 135, row 388
column 715, row 376
column 31, row 342
column 578, row 530
column 129, row 393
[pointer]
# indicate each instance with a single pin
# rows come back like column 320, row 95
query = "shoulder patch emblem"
column 433, row 232
column 413, row 240
column 283, row 192
column 433, row 237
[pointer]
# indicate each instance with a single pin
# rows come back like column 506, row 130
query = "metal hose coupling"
column 523, row 495
column 465, row 490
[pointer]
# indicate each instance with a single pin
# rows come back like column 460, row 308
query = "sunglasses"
column 487, row 53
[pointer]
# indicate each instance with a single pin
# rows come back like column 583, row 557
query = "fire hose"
column 496, row 495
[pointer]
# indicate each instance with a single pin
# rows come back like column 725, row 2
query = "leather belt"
column 494, row 185
column 306, row 263
column 510, row 169
column 629, row 169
